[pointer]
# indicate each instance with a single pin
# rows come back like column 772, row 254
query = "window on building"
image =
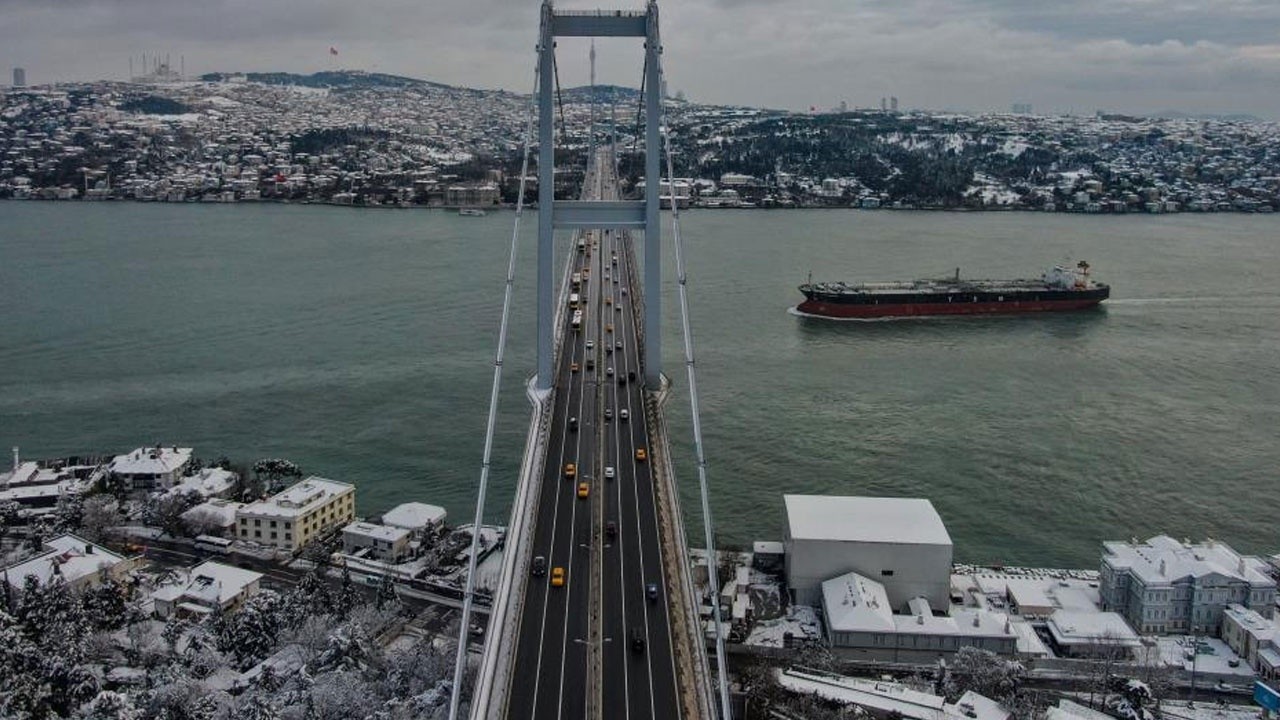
column 273, row 536
column 244, row 533
column 273, row 523
column 287, row 525
column 886, row 573
column 257, row 523
column 257, row 533
column 288, row 536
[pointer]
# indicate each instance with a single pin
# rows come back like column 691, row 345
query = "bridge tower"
column 594, row 214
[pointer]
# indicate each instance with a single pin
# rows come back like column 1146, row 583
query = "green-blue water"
column 359, row 344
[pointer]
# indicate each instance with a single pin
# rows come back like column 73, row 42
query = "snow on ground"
column 489, row 571
column 801, row 621
column 1214, row 656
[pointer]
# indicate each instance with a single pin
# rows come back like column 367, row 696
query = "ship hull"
column 837, row 306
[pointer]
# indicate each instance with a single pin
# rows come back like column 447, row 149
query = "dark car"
column 637, row 639
column 539, row 567
column 573, row 423
column 631, row 376
column 651, row 590
column 611, row 529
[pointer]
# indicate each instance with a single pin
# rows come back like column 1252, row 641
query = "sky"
column 1061, row 56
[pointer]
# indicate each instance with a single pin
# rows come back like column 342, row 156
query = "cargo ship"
column 1062, row 288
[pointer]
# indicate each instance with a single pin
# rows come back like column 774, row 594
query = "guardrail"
column 669, row 504
column 493, row 682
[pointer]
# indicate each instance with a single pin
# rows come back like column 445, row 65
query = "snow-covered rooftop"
column 414, row 515
column 151, row 461
column 1073, row 627
column 379, row 532
column 298, row 498
column 209, row 583
column 855, row 603
column 1162, row 560
column 207, row 482
column 865, row 519
column 221, row 511
column 68, row 556
column 890, row 697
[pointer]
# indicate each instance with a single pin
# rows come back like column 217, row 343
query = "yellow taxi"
column 608, row 301
column 641, row 456
column 573, row 367
column 608, row 327
column 583, row 490
column 570, row 471
column 557, row 576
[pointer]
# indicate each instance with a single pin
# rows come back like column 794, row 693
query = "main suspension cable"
column 469, row 593
column 682, row 284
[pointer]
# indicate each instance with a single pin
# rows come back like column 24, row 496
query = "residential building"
column 1166, row 586
column 33, row 486
column 1255, row 638
column 151, row 468
column 418, row 518
column 210, row 482
column 208, row 586
column 215, row 516
column 292, row 518
column 19, row 77
column 857, row 614
column 383, row 542
column 900, row 542
column 78, row 562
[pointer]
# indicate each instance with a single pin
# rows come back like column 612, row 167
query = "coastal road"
column 552, row 678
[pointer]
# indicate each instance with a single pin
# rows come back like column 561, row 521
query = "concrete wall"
column 916, row 570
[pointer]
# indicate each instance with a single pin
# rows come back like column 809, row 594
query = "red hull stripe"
column 841, row 310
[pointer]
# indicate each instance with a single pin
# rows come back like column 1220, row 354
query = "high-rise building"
column 893, row 104
column 1022, row 108
column 19, row 77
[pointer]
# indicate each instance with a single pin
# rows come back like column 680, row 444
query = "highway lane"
column 553, row 651
column 551, row 657
column 649, row 676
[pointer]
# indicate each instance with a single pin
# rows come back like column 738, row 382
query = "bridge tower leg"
column 546, row 197
column 652, row 202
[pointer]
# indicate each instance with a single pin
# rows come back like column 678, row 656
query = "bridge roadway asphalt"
column 551, row 678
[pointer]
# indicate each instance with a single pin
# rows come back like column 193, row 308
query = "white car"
column 623, row 414
column 608, row 472
column 591, row 344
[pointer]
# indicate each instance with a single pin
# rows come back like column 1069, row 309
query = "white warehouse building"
column 900, row 543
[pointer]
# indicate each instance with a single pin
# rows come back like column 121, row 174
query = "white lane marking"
column 635, row 476
column 573, row 518
column 555, row 516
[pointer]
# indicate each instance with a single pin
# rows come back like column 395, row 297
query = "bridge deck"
column 553, row 674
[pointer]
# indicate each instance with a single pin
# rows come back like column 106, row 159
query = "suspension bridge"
column 596, row 615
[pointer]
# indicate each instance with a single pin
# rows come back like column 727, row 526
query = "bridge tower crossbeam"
column 585, row 214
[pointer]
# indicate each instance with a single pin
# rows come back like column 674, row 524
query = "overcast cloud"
column 1215, row 56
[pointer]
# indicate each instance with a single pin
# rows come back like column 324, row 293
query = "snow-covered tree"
column 257, row 707
column 106, row 605
column 101, row 514
column 109, row 705
column 253, row 630
column 386, row 592
column 983, row 672
column 347, row 596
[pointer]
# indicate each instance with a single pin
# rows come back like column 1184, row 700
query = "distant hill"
column 326, row 79
column 604, row 94
column 1224, row 117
